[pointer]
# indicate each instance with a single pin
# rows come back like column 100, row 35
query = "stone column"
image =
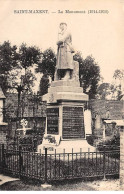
column 87, row 122
column 122, row 158
column 104, row 126
column 1, row 110
column 46, row 126
column 60, row 120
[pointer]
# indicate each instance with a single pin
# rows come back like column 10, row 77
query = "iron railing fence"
column 58, row 166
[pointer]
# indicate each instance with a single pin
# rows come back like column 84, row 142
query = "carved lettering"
column 73, row 122
column 52, row 120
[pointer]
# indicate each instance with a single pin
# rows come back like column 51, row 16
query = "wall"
column 13, row 125
column 3, row 134
column 104, row 109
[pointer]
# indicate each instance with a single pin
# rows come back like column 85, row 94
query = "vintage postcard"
column 62, row 95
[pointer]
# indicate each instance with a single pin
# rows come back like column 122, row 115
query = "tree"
column 89, row 74
column 47, row 67
column 119, row 78
column 48, row 63
column 119, row 82
column 103, row 91
column 44, row 84
column 11, row 63
column 9, row 58
column 28, row 80
column 118, row 74
column 29, row 56
column 108, row 91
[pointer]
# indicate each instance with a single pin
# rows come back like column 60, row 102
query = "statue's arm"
column 63, row 38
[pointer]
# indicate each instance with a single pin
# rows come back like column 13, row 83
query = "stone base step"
column 72, row 83
column 67, row 145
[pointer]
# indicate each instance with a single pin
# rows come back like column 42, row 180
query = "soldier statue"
column 65, row 63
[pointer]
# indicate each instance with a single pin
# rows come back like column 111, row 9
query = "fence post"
column 20, row 160
column 104, row 178
column 45, row 185
column 45, row 165
column 72, row 162
column 3, row 158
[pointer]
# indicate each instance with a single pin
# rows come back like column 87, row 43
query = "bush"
column 91, row 139
column 113, row 142
column 110, row 145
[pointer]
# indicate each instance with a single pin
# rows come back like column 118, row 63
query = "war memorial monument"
column 65, row 127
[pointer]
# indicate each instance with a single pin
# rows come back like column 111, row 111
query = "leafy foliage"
column 28, row 80
column 44, row 84
column 29, row 55
column 118, row 74
column 89, row 71
column 111, row 144
column 8, row 60
column 8, row 57
column 89, row 74
column 103, row 91
column 91, row 139
column 48, row 63
column 119, row 82
column 107, row 91
column 13, row 61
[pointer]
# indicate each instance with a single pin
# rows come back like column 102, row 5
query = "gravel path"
column 108, row 185
column 6, row 179
column 13, row 184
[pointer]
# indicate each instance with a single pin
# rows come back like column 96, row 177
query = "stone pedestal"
column 65, row 118
column 62, row 90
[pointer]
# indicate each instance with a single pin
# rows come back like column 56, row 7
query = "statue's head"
column 63, row 25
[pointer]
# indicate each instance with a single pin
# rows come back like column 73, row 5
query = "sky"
column 98, row 34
